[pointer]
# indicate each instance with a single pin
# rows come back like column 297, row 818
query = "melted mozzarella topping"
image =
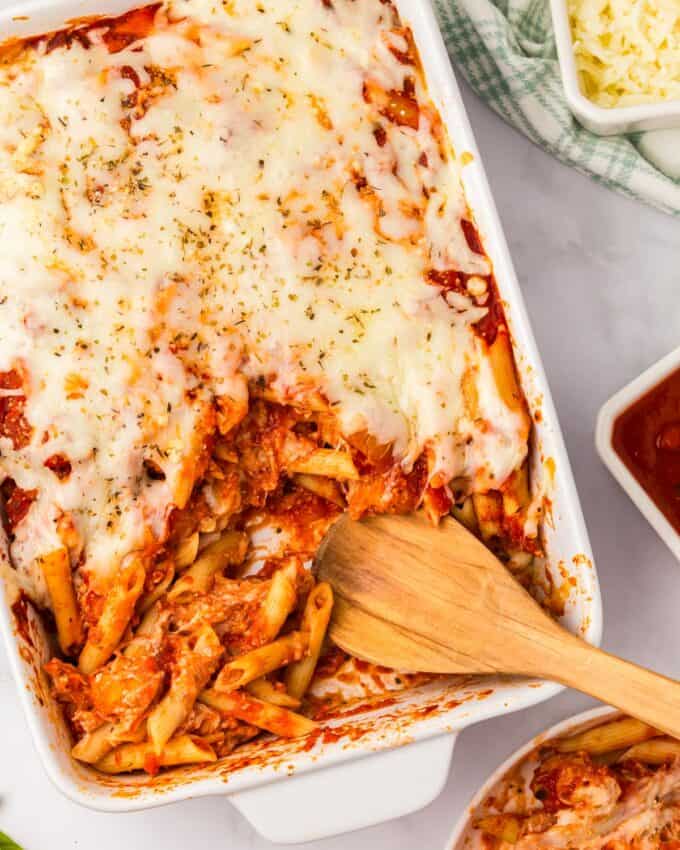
column 214, row 205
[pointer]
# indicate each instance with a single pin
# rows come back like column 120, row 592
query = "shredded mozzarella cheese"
column 627, row 51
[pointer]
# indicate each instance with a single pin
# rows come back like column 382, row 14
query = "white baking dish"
column 312, row 800
column 597, row 119
column 608, row 415
column 462, row 830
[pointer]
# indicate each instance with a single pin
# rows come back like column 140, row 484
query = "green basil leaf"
column 6, row 843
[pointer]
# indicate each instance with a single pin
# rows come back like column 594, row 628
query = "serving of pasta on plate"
column 612, row 786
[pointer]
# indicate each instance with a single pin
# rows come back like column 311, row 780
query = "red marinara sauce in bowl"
column 638, row 438
column 646, row 437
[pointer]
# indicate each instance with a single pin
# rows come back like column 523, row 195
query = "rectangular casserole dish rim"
column 440, row 77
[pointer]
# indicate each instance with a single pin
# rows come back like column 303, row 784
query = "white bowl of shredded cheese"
column 620, row 62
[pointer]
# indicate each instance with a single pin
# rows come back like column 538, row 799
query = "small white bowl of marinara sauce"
column 638, row 438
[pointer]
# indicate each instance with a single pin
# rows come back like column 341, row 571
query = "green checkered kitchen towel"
column 506, row 51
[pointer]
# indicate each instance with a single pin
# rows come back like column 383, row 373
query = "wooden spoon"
column 436, row 600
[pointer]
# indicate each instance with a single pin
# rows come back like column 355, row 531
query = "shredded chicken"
column 576, row 804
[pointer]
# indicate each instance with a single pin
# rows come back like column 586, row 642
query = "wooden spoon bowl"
column 419, row 598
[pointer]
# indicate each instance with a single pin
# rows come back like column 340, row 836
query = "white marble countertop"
column 600, row 276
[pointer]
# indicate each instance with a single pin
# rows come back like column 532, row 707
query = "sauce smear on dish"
column 647, row 439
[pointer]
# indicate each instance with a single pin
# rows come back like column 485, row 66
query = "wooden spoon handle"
column 651, row 697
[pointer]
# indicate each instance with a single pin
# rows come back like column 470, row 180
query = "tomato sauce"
column 399, row 107
column 13, row 423
column 22, row 622
column 453, row 279
column 117, row 33
column 647, row 439
column 16, row 502
column 60, row 465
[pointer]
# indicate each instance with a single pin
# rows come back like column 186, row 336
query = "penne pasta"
column 489, row 513
column 515, row 491
column 315, row 619
column 271, row 718
column 56, row 569
column 268, row 692
column 148, row 622
column 327, row 463
column 186, row 552
column 246, row 668
column 149, row 599
column 466, row 515
column 503, row 365
column 170, row 712
column 616, row 735
column 519, row 560
column 119, row 606
column 470, row 393
column 192, row 671
column 327, row 488
column 654, row 751
column 184, row 749
column 148, row 639
column 228, row 551
column 93, row 746
column 278, row 603
column 504, row 827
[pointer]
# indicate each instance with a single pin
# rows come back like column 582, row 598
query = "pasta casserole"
column 241, row 292
column 615, row 786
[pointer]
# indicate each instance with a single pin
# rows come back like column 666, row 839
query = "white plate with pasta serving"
column 600, row 779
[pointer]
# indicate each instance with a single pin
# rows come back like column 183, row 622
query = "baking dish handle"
column 349, row 796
